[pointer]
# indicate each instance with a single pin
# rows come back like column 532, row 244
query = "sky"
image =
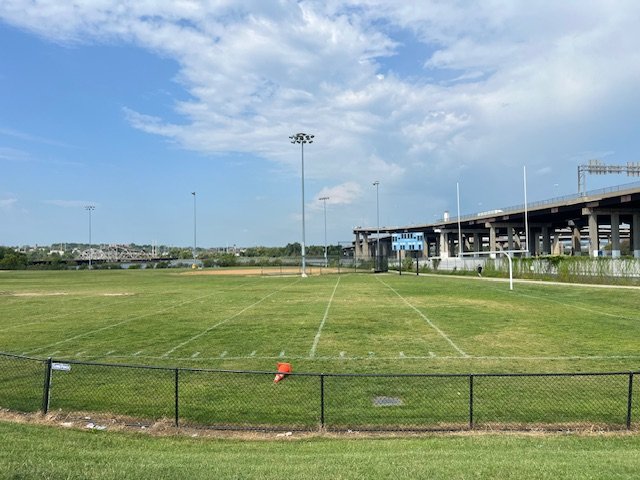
column 132, row 105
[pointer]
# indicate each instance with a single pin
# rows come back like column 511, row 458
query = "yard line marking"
column 54, row 317
column 402, row 355
column 138, row 353
column 109, row 352
column 450, row 357
column 282, row 354
column 431, row 354
column 195, row 355
column 208, row 329
column 79, row 354
column 223, row 354
column 324, row 319
column 117, row 324
column 342, row 354
column 578, row 307
column 431, row 324
column 253, row 354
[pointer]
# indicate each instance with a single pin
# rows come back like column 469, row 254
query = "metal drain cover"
column 387, row 401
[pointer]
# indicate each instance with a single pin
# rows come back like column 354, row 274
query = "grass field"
column 329, row 323
column 32, row 451
column 349, row 323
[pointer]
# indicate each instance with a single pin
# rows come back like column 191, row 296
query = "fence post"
column 47, row 386
column 322, row 400
column 176, row 397
column 630, row 401
column 471, row 401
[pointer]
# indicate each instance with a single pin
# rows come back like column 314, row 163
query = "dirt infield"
column 266, row 271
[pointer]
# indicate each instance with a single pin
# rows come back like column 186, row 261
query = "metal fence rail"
column 309, row 401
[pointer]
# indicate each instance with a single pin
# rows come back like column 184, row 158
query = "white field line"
column 55, row 317
column 532, row 282
column 324, row 319
column 577, row 307
column 431, row 324
column 117, row 324
column 84, row 311
column 388, row 358
column 208, row 329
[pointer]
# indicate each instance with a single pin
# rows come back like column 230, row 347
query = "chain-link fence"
column 309, row 401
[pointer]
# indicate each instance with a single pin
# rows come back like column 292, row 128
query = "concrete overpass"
column 585, row 221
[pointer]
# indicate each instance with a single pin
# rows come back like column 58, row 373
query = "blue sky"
column 130, row 106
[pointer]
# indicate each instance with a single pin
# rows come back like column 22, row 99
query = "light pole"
column 324, row 200
column 90, row 208
column 377, row 185
column 194, row 228
column 302, row 138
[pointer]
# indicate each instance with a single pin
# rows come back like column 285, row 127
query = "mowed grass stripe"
column 367, row 320
column 117, row 324
column 208, row 329
column 499, row 330
column 48, row 316
column 148, row 305
column 424, row 317
column 282, row 325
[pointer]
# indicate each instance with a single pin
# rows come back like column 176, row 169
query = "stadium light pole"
column 90, row 208
column 377, row 185
column 324, row 200
column 194, row 227
column 302, row 138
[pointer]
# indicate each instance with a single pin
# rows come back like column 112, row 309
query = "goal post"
column 506, row 253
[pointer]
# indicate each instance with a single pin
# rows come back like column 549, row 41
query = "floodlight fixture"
column 302, row 138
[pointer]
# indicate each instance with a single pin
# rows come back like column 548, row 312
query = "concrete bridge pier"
column 492, row 240
column 546, row 241
column 366, row 253
column 477, row 243
column 615, row 235
column 594, row 241
column 445, row 244
column 576, row 245
column 357, row 248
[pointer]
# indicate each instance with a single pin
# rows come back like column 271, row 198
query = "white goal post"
column 506, row 253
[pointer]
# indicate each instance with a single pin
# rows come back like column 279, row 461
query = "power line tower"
column 597, row 167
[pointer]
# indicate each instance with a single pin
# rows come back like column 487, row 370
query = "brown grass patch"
column 263, row 271
column 166, row 428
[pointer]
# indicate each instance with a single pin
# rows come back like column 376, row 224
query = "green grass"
column 31, row 451
column 331, row 323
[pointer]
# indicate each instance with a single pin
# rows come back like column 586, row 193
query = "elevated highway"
column 586, row 222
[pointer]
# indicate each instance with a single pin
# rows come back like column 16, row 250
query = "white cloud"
column 69, row 203
column 343, row 194
column 13, row 154
column 7, row 203
column 503, row 81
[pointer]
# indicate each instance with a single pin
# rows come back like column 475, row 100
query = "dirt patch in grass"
column 58, row 294
column 34, row 294
column 266, row 271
